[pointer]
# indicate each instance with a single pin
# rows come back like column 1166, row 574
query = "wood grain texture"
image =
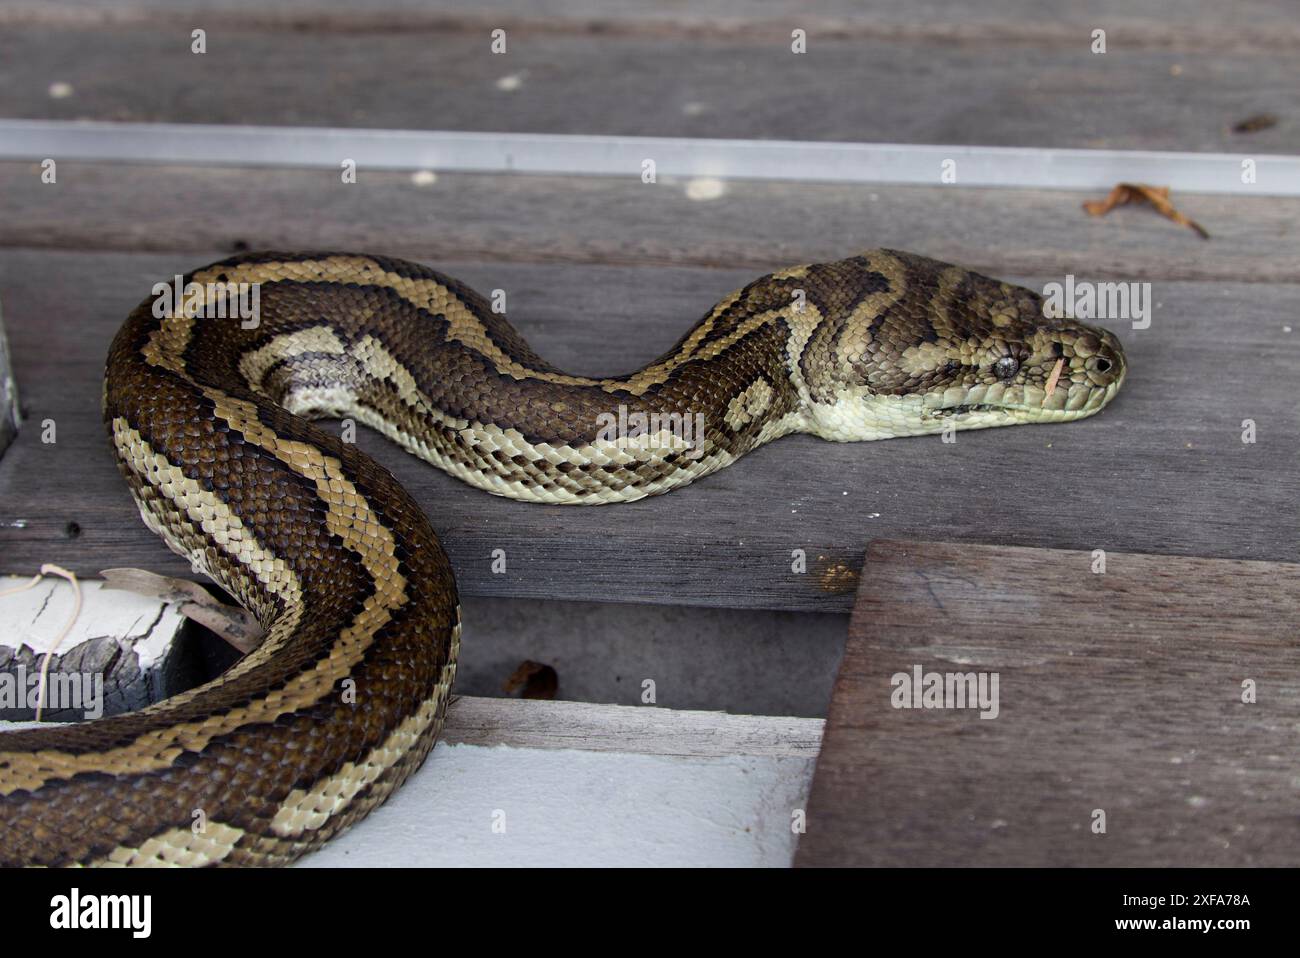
column 755, row 225
column 1163, row 470
column 914, row 89
column 1247, row 24
column 524, row 723
column 1119, row 691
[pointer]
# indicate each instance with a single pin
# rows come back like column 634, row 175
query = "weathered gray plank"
column 1247, row 24
column 1163, row 470
column 1120, row 691
column 583, row 220
column 880, row 89
column 521, row 723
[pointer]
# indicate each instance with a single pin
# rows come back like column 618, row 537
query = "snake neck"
column 423, row 359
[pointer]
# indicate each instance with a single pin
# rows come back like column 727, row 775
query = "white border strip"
column 1022, row 167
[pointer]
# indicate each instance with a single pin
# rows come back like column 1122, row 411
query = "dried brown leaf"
column 1157, row 196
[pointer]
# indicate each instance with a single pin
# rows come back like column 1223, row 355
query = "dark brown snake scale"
column 347, row 693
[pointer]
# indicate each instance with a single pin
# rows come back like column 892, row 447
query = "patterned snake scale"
column 346, row 695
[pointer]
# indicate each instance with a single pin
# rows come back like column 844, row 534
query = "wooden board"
column 587, row 727
column 1163, row 470
column 643, row 730
column 1120, row 692
column 758, row 226
column 915, row 78
column 1152, row 23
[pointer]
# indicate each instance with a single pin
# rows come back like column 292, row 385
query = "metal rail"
column 986, row 166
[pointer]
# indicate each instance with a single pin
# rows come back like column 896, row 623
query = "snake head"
column 1025, row 372
column 924, row 347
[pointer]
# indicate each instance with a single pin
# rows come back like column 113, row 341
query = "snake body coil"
column 345, row 696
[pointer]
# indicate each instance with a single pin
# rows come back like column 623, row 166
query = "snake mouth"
column 1094, row 381
column 975, row 414
column 963, row 413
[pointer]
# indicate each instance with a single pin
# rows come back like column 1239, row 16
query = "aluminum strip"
column 987, row 166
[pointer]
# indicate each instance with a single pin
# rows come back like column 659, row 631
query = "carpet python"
column 344, row 698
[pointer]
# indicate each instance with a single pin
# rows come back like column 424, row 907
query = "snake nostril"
column 1103, row 365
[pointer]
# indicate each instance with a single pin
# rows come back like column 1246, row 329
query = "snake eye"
column 1006, row 368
